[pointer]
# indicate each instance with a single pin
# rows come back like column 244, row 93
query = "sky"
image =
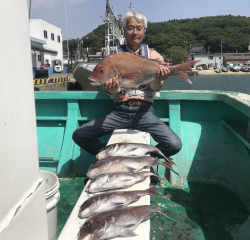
column 85, row 15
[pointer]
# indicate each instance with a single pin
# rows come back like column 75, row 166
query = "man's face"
column 134, row 32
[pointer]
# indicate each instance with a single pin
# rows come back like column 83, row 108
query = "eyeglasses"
column 131, row 29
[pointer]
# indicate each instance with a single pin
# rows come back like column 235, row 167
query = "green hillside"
column 169, row 37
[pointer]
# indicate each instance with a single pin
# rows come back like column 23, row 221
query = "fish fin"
column 160, row 154
column 132, row 155
column 136, row 199
column 118, row 205
column 128, row 226
column 166, row 215
column 154, row 60
column 168, row 165
column 128, row 234
column 126, row 180
column 180, row 70
column 153, row 164
column 132, row 149
column 114, row 150
column 130, row 169
column 151, row 191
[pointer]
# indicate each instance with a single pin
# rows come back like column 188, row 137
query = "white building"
column 46, row 43
column 210, row 59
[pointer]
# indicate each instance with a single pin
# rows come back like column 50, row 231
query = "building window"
column 210, row 57
column 39, row 58
column 52, row 36
column 45, row 34
column 58, row 39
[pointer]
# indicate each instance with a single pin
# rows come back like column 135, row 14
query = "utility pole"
column 185, row 45
column 208, row 49
column 30, row 9
column 221, row 51
column 66, row 29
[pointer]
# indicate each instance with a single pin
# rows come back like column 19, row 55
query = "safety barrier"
column 49, row 80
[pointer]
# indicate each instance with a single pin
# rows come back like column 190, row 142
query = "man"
column 133, row 109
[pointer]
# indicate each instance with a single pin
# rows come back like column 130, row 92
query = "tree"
column 177, row 54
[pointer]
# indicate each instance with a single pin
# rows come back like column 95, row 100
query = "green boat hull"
column 213, row 126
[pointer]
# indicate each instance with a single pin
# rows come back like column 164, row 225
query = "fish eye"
column 101, row 69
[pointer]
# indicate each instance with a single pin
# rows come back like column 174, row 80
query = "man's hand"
column 162, row 73
column 111, row 86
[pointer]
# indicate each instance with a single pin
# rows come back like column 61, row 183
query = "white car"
column 57, row 69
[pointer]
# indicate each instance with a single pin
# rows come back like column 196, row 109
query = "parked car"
column 57, row 69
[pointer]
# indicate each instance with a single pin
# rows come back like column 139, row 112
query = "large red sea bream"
column 132, row 70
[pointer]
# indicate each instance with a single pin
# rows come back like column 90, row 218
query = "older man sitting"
column 133, row 109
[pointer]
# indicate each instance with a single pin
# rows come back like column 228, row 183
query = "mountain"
column 174, row 36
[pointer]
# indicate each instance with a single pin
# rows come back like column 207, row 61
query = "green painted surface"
column 70, row 190
column 205, row 212
column 212, row 151
column 50, row 166
column 50, row 138
column 47, row 107
column 66, row 159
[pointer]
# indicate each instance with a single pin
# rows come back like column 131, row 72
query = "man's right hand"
column 112, row 86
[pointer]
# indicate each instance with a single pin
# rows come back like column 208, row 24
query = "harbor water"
column 235, row 83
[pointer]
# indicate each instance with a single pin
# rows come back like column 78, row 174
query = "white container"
column 52, row 198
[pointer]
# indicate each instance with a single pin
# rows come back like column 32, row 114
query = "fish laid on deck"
column 116, row 180
column 130, row 150
column 114, row 200
column 132, row 70
column 129, row 164
column 115, row 223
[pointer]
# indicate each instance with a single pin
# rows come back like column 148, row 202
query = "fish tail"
column 180, row 70
column 167, row 159
column 166, row 215
column 151, row 191
column 168, row 165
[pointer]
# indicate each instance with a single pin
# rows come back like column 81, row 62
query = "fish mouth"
column 95, row 82
column 101, row 155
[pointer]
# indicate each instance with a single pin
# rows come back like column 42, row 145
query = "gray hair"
column 137, row 15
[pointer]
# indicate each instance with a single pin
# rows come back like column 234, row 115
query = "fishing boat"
column 236, row 67
column 211, row 196
column 224, row 69
column 217, row 70
column 113, row 37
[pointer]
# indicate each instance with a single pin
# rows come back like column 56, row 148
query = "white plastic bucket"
column 52, row 198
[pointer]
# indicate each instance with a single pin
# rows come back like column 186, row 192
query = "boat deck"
column 205, row 211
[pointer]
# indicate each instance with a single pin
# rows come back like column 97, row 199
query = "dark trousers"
column 123, row 116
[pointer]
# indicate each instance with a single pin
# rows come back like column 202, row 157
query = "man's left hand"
column 162, row 73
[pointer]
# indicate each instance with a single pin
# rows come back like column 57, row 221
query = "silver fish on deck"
column 116, row 180
column 116, row 223
column 114, row 200
column 128, row 164
column 130, row 150
column 132, row 70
